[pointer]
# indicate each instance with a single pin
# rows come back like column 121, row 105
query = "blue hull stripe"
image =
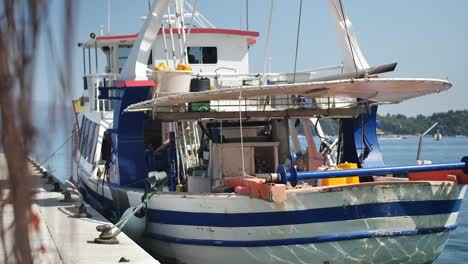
column 302, row 240
column 330, row 214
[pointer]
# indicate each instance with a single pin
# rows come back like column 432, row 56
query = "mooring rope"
column 57, row 150
column 122, row 222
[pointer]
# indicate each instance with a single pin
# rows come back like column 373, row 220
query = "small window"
column 84, row 136
column 91, row 141
column 124, row 52
column 94, row 142
column 202, row 55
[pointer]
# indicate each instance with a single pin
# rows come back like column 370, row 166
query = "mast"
column 353, row 59
column 136, row 65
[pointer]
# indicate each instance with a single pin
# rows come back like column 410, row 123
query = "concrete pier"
column 59, row 237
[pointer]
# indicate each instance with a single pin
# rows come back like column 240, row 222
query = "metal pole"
column 84, row 61
column 89, row 61
column 292, row 176
column 418, row 156
column 247, row 15
column 108, row 17
column 96, row 54
column 297, row 39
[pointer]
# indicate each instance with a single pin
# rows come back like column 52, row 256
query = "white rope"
column 122, row 222
column 172, row 37
column 184, row 141
column 197, row 137
column 190, row 141
column 189, row 30
column 165, row 43
column 267, row 44
column 207, row 21
column 182, row 22
column 183, row 159
column 241, row 134
column 177, row 21
column 199, row 22
column 203, row 19
column 179, row 152
column 195, row 15
column 350, row 43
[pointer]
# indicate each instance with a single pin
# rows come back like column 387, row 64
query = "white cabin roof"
column 103, row 41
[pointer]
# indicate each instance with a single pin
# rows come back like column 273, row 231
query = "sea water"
column 403, row 151
column 397, row 151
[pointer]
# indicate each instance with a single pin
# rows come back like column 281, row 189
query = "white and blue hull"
column 400, row 222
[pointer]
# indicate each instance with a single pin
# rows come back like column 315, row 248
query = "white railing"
column 94, row 81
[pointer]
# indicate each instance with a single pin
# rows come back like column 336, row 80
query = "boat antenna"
column 247, row 14
column 108, row 17
column 418, row 156
column 297, row 39
column 241, row 14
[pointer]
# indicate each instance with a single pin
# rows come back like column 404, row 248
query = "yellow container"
column 346, row 166
column 333, row 181
column 343, row 180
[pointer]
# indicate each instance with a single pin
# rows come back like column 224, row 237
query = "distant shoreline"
column 408, row 136
column 394, row 136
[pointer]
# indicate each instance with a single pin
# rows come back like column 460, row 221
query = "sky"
column 428, row 39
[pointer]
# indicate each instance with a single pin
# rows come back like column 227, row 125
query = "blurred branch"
column 21, row 24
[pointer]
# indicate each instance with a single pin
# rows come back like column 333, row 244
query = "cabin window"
column 89, row 153
column 84, row 135
column 124, row 52
column 150, row 58
column 106, row 148
column 202, row 55
column 80, row 139
column 86, row 139
column 95, row 138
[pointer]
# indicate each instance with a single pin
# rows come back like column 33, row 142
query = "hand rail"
column 293, row 176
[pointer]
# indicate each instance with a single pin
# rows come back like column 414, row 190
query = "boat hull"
column 402, row 249
column 392, row 222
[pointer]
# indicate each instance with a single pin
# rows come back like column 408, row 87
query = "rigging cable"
column 166, row 51
column 57, row 150
column 194, row 10
column 179, row 23
column 343, row 18
column 241, row 14
column 172, row 36
column 297, row 39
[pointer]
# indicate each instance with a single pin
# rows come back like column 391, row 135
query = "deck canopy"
column 378, row 90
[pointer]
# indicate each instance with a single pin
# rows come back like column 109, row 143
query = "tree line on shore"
column 451, row 123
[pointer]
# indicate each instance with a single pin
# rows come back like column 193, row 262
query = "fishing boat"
column 200, row 160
